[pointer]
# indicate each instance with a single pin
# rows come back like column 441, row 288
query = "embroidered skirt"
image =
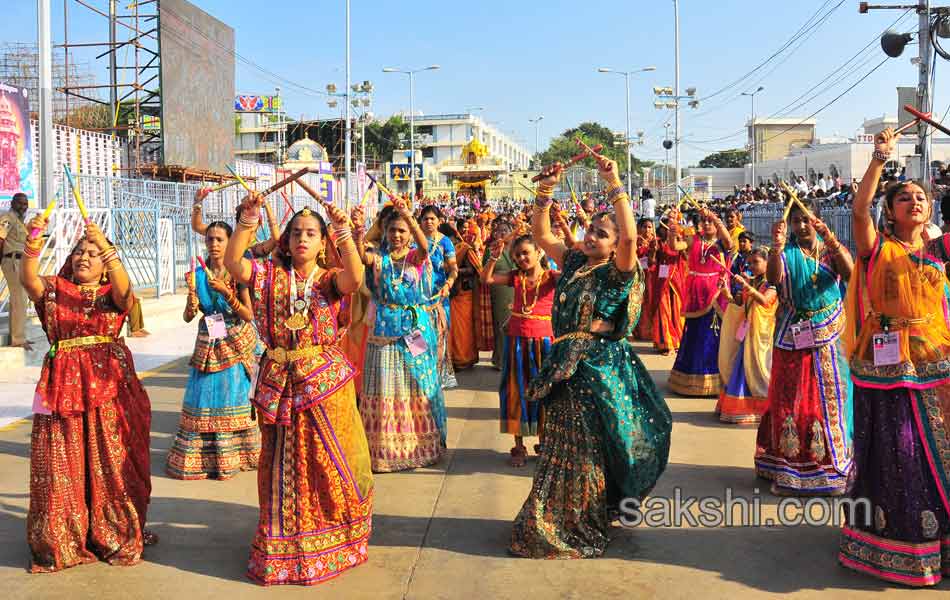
column 521, row 361
column 804, row 443
column 216, row 438
column 90, row 484
column 696, row 370
column 903, row 533
column 315, row 489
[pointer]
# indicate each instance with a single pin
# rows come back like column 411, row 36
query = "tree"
column 90, row 116
column 564, row 147
column 383, row 138
column 726, row 159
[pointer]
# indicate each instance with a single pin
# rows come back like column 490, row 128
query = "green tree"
column 563, row 147
column 726, row 159
column 383, row 137
column 90, row 116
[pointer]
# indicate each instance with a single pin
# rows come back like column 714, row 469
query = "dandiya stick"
column 205, row 267
column 690, row 199
column 285, row 181
column 388, row 193
column 575, row 159
column 240, row 179
column 926, row 119
column 225, row 186
column 76, row 194
column 901, row 130
column 366, row 194
column 290, row 208
column 46, row 213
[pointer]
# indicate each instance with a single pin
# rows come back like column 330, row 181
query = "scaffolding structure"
column 130, row 44
column 19, row 67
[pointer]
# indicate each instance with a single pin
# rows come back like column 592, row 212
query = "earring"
column 322, row 256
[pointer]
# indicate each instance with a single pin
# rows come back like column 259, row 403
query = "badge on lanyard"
column 416, row 343
column 217, row 328
column 887, row 349
column 664, row 272
column 803, row 335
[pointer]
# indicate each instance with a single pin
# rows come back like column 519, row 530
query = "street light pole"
column 626, row 144
column 412, row 119
column 348, row 156
column 676, row 92
column 754, row 141
column 537, row 135
column 45, row 41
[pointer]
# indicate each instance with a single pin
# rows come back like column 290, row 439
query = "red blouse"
column 74, row 380
column 537, row 323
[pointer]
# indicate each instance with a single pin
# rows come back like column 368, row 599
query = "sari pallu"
column 499, row 304
column 216, row 437
column 644, row 329
column 89, row 453
column 746, row 365
column 315, row 486
column 440, row 308
column 696, row 369
column 606, row 427
column 667, row 299
column 403, row 407
column 902, row 416
column 804, row 442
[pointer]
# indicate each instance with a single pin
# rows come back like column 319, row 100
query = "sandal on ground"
column 519, row 456
column 149, row 538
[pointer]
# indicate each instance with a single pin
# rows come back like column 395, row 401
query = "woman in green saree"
column 607, row 428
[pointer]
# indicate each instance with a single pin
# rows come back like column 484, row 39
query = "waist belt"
column 899, row 322
column 282, row 355
column 704, row 274
column 530, row 316
column 79, row 342
column 807, row 314
column 575, row 335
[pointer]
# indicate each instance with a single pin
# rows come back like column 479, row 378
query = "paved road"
column 442, row 532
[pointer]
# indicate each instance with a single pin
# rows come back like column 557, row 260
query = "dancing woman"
column 804, row 440
column 216, row 437
column 464, row 317
column 696, row 370
column 606, row 428
column 668, row 278
column 899, row 343
column 444, row 273
column 402, row 407
column 314, row 481
column 745, row 346
column 89, row 451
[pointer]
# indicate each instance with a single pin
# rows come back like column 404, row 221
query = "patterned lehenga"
column 402, row 407
column 804, row 442
column 901, row 416
column 606, row 426
column 216, row 437
column 314, row 481
column 89, row 455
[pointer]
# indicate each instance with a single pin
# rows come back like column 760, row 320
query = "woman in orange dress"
column 668, row 279
column 314, row 482
column 646, row 253
column 464, row 345
column 89, row 453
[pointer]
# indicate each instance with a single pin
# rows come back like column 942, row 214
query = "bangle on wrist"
column 881, row 156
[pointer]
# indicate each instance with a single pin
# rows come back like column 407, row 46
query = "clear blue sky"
column 522, row 58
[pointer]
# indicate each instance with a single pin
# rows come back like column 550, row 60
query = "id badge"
column 803, row 335
column 887, row 349
column 217, row 329
column 664, row 272
column 416, row 343
column 742, row 331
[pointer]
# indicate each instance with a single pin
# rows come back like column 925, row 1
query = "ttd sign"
column 401, row 172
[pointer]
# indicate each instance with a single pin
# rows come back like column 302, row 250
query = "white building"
column 444, row 136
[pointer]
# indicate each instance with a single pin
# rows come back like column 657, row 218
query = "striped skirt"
column 521, row 361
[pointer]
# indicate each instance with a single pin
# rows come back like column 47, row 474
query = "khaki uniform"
column 14, row 233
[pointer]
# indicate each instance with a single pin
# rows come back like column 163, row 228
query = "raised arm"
column 862, row 225
column 191, row 305
column 30, row 262
column 249, row 217
column 722, row 233
column 626, row 258
column 844, row 264
column 121, row 290
column 774, row 271
column 349, row 280
column 197, row 222
column 541, row 218
column 422, row 244
column 488, row 276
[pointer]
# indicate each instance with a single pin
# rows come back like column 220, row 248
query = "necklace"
column 815, row 255
column 300, row 307
column 919, row 251
column 525, row 307
column 585, row 271
column 703, row 248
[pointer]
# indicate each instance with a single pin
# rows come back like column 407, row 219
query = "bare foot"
column 518, row 456
column 139, row 334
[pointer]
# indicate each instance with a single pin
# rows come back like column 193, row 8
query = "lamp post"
column 752, row 96
column 626, row 78
column 537, row 134
column 412, row 119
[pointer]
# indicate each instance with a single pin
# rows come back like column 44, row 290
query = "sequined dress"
column 606, row 426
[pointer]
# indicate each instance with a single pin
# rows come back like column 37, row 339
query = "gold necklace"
column 815, row 255
column 525, row 307
column 585, row 271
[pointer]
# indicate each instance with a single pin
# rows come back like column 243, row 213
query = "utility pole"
column 348, row 156
column 754, row 141
column 45, row 40
column 676, row 93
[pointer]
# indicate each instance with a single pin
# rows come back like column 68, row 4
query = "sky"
column 520, row 59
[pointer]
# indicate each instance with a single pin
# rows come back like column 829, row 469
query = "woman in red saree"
column 646, row 254
column 314, row 482
column 668, row 278
column 89, row 452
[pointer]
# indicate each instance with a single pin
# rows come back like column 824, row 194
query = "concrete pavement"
column 442, row 532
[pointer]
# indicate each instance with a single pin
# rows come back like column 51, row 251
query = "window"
column 428, row 152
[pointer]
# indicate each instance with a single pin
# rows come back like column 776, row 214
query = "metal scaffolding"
column 130, row 44
column 19, row 66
